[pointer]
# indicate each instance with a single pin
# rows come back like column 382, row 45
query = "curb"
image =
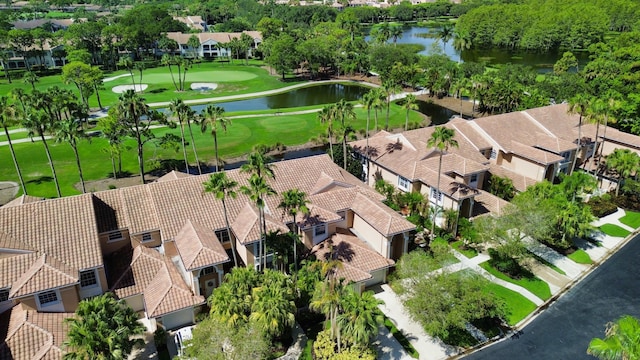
column 540, row 309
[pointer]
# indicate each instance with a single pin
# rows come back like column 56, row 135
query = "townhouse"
column 163, row 247
column 212, row 45
column 525, row 146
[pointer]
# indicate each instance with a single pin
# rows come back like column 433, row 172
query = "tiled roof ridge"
column 390, row 218
column 485, row 135
column 21, row 315
column 537, row 123
column 458, row 131
column 137, row 252
column 38, row 266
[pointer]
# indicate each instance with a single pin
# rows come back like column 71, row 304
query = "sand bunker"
column 204, row 86
column 122, row 88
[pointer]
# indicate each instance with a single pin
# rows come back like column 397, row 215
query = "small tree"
column 102, row 329
column 621, row 341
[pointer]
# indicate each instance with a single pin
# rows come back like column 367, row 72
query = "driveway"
column 564, row 330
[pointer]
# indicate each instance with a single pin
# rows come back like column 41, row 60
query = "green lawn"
column 232, row 79
column 239, row 139
column 580, row 256
column 401, row 339
column 517, row 305
column 631, row 219
column 468, row 252
column 614, row 230
column 535, row 285
column 546, row 263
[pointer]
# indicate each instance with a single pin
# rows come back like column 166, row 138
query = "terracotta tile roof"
column 110, row 212
column 382, row 218
column 448, row 185
column 531, row 153
column 33, row 335
column 359, row 260
column 454, row 163
column 173, row 175
column 553, row 144
column 44, row 273
column 23, row 199
column 615, row 135
column 520, row 182
column 488, row 204
column 199, row 247
column 14, row 267
column 326, row 182
column 56, row 226
column 157, row 279
column 140, row 210
column 246, row 225
column 468, row 131
column 316, row 216
column 8, row 242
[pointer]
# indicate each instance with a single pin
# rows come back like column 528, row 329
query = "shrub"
column 602, row 205
column 504, row 263
column 160, row 338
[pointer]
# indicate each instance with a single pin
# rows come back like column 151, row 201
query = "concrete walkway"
column 427, row 346
column 388, row 347
column 570, row 267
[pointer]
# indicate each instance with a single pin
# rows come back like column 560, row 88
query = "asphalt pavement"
column 564, row 330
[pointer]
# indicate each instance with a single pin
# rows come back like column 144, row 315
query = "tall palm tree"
column 9, row 117
column 409, row 104
column 177, row 107
column 31, row 78
column 102, row 328
column 327, row 295
column 389, row 90
column 222, row 187
column 625, row 163
column 379, row 99
column 463, row 84
column 257, row 190
column 360, row 318
column 367, row 101
column 395, row 32
column 127, row 63
column 595, row 113
column 441, row 139
column 190, row 115
column 621, row 341
column 579, row 104
column 272, row 309
column 326, row 116
column 213, row 116
column 131, row 108
column 69, row 131
column 39, row 124
column 168, row 61
column 293, row 202
column 344, row 114
column 445, row 34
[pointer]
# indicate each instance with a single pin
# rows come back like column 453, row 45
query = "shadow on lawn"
column 40, row 180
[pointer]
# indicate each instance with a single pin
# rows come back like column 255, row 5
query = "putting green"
column 199, row 76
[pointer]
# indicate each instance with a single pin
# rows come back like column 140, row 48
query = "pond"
column 439, row 115
column 312, row 95
column 542, row 62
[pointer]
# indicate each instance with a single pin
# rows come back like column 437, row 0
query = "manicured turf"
column 631, row 219
column 468, row 252
column 535, row 285
column 614, row 230
column 401, row 339
column 517, row 305
column 546, row 263
column 580, row 256
column 240, row 138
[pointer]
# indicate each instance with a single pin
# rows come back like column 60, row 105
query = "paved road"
column 565, row 329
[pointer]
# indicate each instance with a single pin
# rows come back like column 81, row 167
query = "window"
column 403, row 183
column 223, row 236
column 319, row 230
column 566, row 155
column 48, row 297
column 146, row 237
column 4, row 295
column 208, row 270
column 115, row 236
column 474, row 178
column 436, row 195
column 494, row 154
column 342, row 214
column 88, row 278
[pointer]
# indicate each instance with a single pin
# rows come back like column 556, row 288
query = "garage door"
column 178, row 319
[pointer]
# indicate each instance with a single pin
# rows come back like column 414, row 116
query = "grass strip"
column 406, row 344
column 631, row 219
column 580, row 256
column 517, row 305
column 534, row 284
column 545, row 262
column 614, row 230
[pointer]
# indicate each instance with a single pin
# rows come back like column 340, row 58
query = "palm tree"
column 31, row 78
column 326, row 116
column 127, row 63
column 367, row 101
column 102, row 328
column 213, row 116
column 69, row 131
column 272, row 309
column 621, row 341
column 344, row 114
column 409, row 104
column 327, row 296
column 379, row 99
column 463, row 84
column 256, row 191
column 131, row 108
column 222, row 187
column 360, row 318
column 9, row 117
column 461, row 41
column 190, row 114
column 595, row 113
column 579, row 104
column 177, row 107
column 39, row 123
column 293, row 202
column 395, row 32
column 625, row 163
column 168, row 61
column 389, row 90
column 445, row 34
column 441, row 139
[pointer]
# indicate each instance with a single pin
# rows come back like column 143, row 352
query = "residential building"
column 163, row 247
column 193, row 22
column 212, row 45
